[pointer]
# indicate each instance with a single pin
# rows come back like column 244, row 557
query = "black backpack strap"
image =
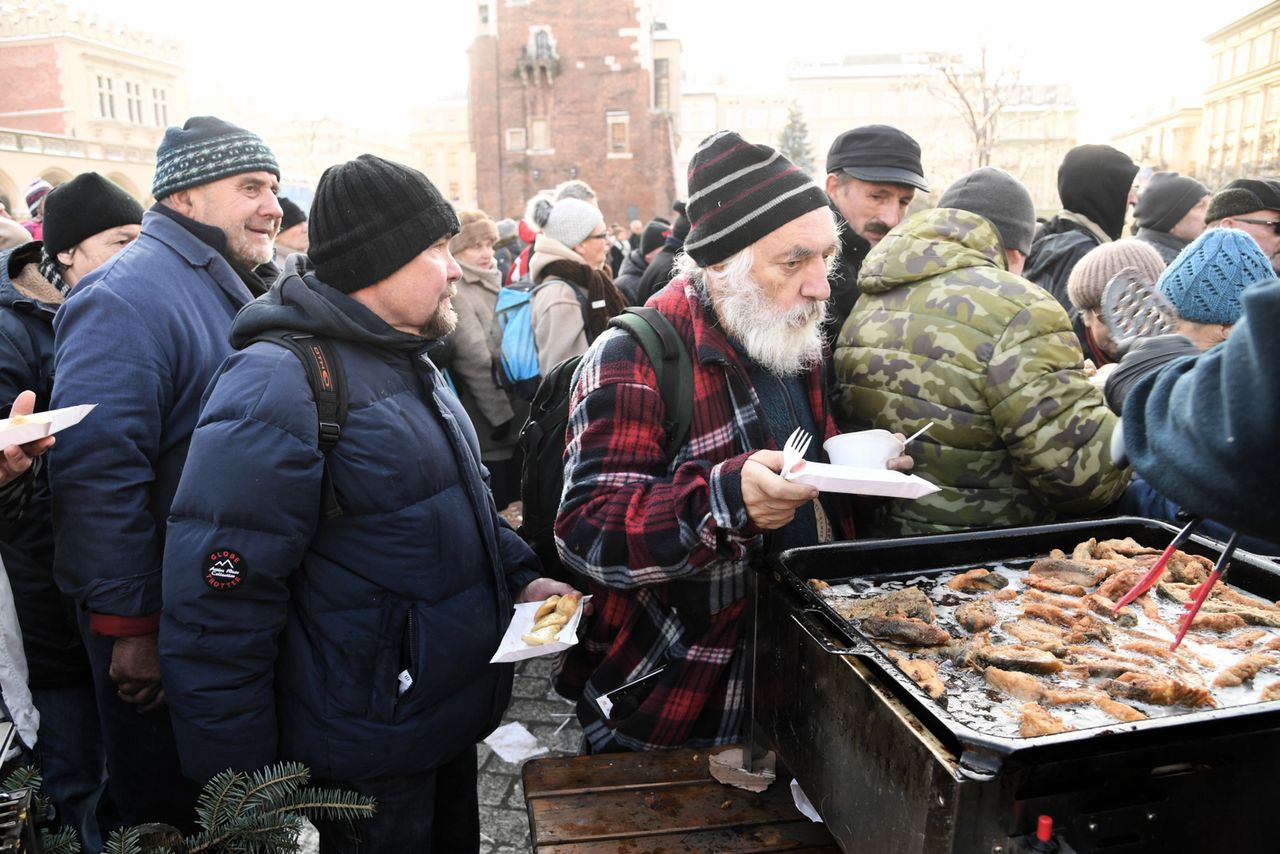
column 671, row 362
column 583, row 305
column 328, row 385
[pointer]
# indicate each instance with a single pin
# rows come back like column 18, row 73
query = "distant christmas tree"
column 794, row 142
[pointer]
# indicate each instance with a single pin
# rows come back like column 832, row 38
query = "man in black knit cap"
column 140, row 337
column 87, row 220
column 293, row 231
column 1095, row 184
column 358, row 645
column 1171, row 213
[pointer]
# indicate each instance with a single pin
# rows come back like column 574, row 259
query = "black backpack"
column 542, row 439
column 329, row 385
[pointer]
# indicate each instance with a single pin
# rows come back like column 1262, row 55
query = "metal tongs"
column 1157, row 568
column 1201, row 593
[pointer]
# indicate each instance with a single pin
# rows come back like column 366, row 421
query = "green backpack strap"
column 670, row 359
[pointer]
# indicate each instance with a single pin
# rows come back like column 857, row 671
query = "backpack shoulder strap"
column 583, row 306
column 328, row 385
column 671, row 362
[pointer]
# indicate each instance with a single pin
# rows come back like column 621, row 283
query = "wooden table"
column 655, row 803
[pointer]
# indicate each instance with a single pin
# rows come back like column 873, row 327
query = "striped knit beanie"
column 370, row 217
column 1091, row 273
column 1205, row 280
column 206, row 149
column 740, row 192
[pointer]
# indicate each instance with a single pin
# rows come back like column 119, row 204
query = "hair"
column 575, row 189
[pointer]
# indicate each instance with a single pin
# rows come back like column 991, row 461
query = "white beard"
column 782, row 344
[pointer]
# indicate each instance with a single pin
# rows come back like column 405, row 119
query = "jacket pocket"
column 361, row 659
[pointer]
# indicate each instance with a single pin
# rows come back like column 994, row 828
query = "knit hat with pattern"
column 1204, row 282
column 740, row 192
column 1166, row 199
column 36, row 190
column 206, row 149
column 572, row 221
column 84, row 206
column 370, row 217
column 1091, row 273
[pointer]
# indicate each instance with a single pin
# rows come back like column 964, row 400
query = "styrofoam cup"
column 868, row 449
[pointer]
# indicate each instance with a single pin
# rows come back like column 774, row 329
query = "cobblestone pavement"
column 504, row 824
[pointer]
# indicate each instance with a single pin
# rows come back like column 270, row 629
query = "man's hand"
column 16, row 459
column 540, row 588
column 135, row 668
column 902, row 463
column 771, row 501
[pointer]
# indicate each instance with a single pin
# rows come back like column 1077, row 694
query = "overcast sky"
column 371, row 62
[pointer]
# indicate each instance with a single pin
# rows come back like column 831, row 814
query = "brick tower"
column 584, row 89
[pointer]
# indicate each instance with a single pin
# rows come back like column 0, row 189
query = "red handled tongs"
column 1157, row 568
column 1201, row 593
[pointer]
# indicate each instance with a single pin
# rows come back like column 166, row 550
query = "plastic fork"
column 1202, row 592
column 793, row 451
column 1157, row 569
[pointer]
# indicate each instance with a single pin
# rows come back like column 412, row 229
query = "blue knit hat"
column 1205, row 280
column 206, row 149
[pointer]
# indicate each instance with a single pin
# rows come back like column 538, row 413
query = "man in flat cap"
column 1253, row 206
column 140, row 337
column 667, row 543
column 873, row 173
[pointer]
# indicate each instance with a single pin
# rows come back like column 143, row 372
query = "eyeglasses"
column 1274, row 223
column 604, row 236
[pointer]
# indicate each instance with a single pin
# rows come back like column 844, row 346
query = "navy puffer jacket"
column 292, row 648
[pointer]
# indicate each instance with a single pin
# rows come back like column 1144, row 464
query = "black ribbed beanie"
column 370, row 217
column 84, row 206
column 1095, row 180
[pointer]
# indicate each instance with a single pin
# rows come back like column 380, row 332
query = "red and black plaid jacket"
column 666, row 544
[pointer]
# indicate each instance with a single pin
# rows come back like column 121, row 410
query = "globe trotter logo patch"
column 224, row 569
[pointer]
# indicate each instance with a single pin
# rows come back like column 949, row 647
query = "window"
column 619, row 132
column 451, row 159
column 662, row 84
column 453, row 190
column 106, row 97
column 484, row 14
column 133, row 96
column 159, row 107
column 517, row 139
column 539, row 134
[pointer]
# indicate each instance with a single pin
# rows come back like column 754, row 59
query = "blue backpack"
column 519, row 368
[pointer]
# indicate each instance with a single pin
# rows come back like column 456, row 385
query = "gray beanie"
column 572, row 221
column 1001, row 199
column 1166, row 199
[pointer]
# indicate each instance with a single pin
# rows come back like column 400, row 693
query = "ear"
column 64, row 257
column 833, row 181
column 180, row 201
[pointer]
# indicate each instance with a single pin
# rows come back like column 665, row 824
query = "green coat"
column 944, row 333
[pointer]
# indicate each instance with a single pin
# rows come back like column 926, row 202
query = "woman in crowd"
column 575, row 295
column 477, row 352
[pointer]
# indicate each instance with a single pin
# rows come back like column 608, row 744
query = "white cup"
column 866, row 449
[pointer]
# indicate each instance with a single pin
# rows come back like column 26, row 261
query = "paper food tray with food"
column 21, row 429
column 536, row 630
column 863, row 481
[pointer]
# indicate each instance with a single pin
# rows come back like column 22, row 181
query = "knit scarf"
column 603, row 297
column 52, row 274
column 490, row 277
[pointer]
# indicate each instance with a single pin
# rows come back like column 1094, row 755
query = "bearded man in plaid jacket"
column 667, row 543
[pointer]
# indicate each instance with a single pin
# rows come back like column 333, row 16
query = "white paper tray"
column 40, row 424
column 860, row 481
column 513, row 649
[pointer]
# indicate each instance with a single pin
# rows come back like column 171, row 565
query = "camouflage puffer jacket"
column 945, row 333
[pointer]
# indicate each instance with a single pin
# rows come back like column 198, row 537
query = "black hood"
column 1094, row 180
column 300, row 302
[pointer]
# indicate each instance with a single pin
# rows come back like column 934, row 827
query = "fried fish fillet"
column 1244, row 670
column 1159, row 690
column 1128, row 547
column 1099, row 604
column 1118, row 710
column 1020, row 686
column 1066, row 571
column 1013, row 657
column 904, row 630
column 1051, row 614
column 1271, row 692
column 1037, row 634
column 1224, row 622
column 1053, row 585
column 1121, row 583
column 976, row 616
column 923, row 672
column 1036, row 721
column 978, row 579
column 909, row 602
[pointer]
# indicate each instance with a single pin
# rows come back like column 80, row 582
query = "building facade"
column 1165, row 140
column 562, row 90
column 81, row 95
column 1240, row 127
column 440, row 146
column 1035, row 127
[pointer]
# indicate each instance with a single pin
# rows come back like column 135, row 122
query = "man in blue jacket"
column 358, row 645
column 140, row 336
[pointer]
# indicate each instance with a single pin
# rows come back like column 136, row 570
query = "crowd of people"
column 280, row 534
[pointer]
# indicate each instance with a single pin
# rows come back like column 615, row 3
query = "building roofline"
column 1239, row 23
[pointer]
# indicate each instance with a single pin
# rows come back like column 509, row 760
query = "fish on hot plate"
column 978, row 579
column 904, row 630
column 1027, row 659
column 1159, row 690
column 909, row 602
column 1067, row 571
column 1244, row 670
column 1037, row 721
column 976, row 616
column 923, row 672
